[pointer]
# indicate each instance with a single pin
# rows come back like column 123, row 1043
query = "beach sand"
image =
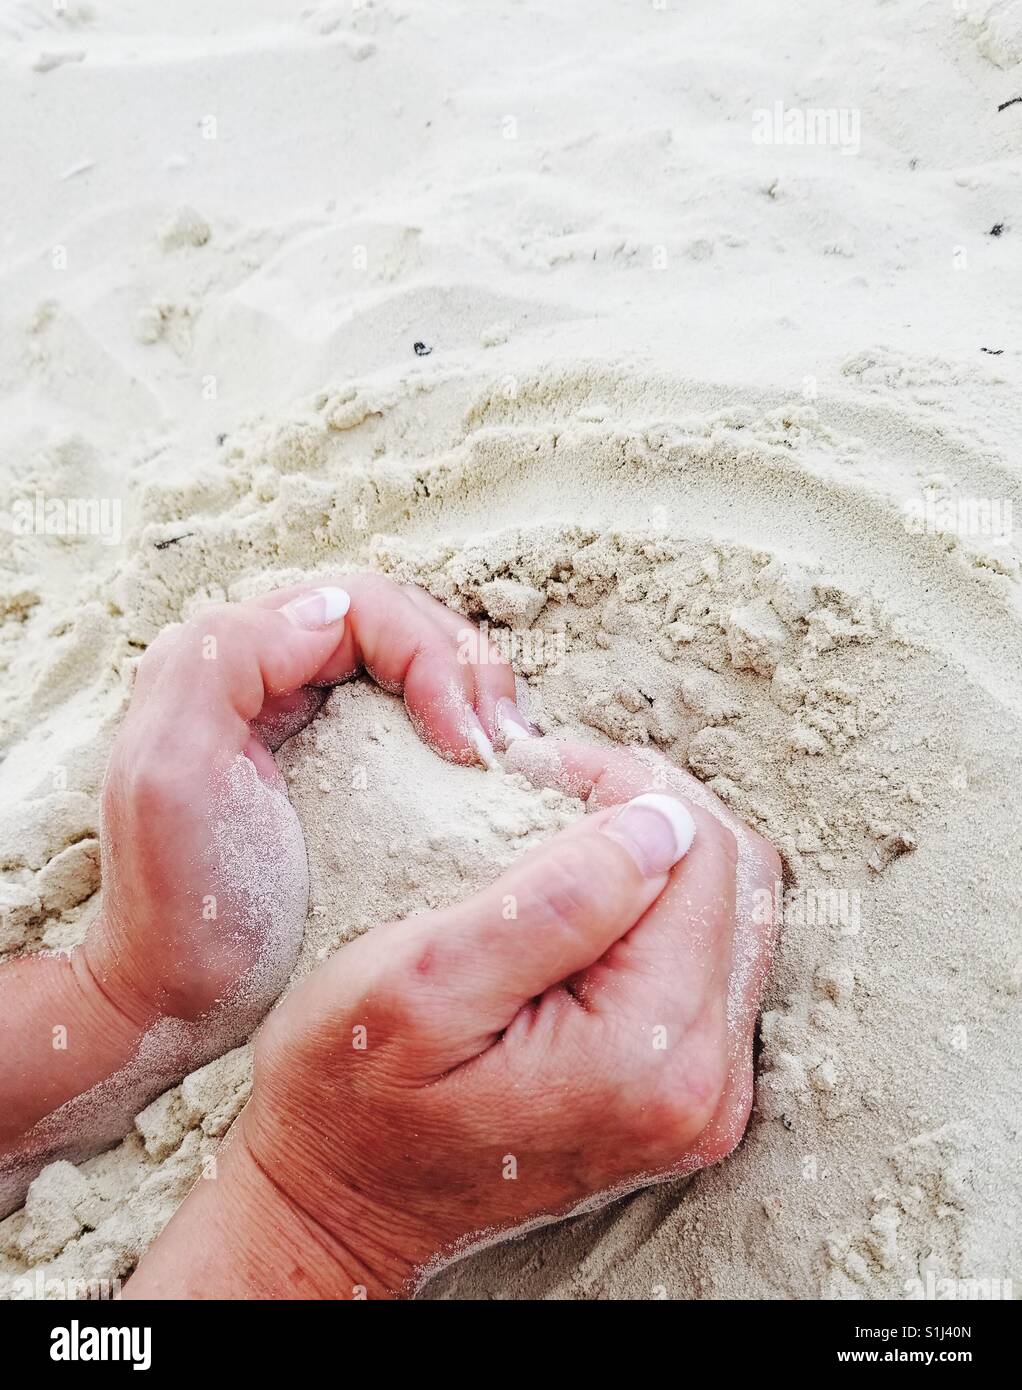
column 717, row 434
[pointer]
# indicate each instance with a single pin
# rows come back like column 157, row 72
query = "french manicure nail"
column 318, row 609
column 512, row 723
column 478, row 739
column 656, row 830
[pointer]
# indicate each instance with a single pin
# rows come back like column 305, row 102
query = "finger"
column 405, row 649
column 474, row 966
column 753, row 947
column 491, row 672
column 214, row 675
column 151, row 662
column 755, row 935
column 758, row 885
column 674, row 964
column 283, row 716
column 603, row 776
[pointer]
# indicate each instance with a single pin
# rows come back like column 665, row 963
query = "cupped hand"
column 205, row 886
column 583, row 1026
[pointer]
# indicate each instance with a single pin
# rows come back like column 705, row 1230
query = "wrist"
column 116, row 1010
column 65, row 1034
column 239, row 1236
column 100, row 966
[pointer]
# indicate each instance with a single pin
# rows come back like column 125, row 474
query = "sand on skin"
column 679, row 391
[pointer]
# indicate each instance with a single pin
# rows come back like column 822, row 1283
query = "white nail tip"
column 678, row 817
column 483, row 746
column 510, row 728
column 336, row 603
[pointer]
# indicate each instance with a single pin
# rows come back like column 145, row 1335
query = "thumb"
column 552, row 915
column 286, row 653
column 201, row 685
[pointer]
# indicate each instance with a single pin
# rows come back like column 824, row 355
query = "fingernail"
column 656, row 830
column 512, row 723
column 318, row 609
column 480, row 742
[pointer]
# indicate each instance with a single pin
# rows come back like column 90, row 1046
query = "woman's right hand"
column 580, row 1027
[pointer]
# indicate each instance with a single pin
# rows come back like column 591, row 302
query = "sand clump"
column 393, row 830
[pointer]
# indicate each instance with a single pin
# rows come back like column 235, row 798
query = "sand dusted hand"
column 569, row 1031
column 205, row 876
column 205, row 879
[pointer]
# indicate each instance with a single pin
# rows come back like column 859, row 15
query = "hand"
column 205, row 883
column 204, row 869
column 581, row 1027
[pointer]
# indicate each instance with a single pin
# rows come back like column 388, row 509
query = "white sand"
column 680, row 387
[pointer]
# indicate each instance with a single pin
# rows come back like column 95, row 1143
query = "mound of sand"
column 715, row 586
column 699, row 427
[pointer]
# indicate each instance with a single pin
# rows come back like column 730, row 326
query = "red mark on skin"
column 426, row 962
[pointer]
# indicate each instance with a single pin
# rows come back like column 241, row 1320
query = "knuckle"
column 659, row 1123
column 403, row 995
column 723, row 1130
column 155, row 788
column 571, row 887
column 704, row 1081
column 668, row 1116
column 214, row 620
column 152, row 660
column 721, row 1139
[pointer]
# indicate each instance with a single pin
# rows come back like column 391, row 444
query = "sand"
column 688, row 428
